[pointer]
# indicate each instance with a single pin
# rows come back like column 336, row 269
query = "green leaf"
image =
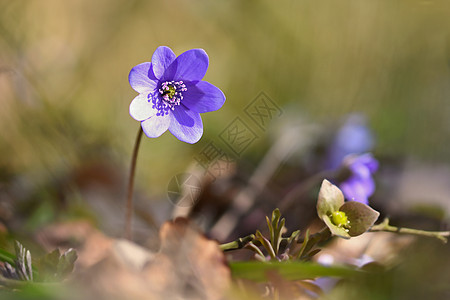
column 313, row 252
column 266, row 244
column 278, row 236
column 305, row 242
column 361, row 217
column 54, row 266
column 293, row 236
column 271, row 229
column 66, row 262
column 47, row 266
column 259, row 255
column 275, row 230
column 330, row 199
column 276, row 215
column 257, row 271
column 5, row 256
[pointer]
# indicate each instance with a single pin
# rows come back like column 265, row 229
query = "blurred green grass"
column 64, row 93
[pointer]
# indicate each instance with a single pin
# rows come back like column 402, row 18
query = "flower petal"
column 142, row 79
column 186, row 125
column 364, row 160
column 156, row 125
column 203, row 97
column 330, row 199
column 141, row 109
column 161, row 59
column 355, row 190
column 361, row 217
column 189, row 66
column 370, row 162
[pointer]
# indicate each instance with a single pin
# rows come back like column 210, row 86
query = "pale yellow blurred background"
column 64, row 92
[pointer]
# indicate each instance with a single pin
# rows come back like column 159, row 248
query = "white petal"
column 141, row 109
column 156, row 125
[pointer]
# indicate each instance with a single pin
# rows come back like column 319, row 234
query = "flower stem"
column 129, row 205
column 384, row 226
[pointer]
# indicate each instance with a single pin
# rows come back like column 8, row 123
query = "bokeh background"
column 64, row 92
column 66, row 137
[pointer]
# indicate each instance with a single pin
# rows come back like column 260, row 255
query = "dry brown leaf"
column 188, row 266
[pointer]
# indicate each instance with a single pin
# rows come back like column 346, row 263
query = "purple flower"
column 360, row 185
column 172, row 94
column 354, row 137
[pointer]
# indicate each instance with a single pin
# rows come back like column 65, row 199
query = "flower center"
column 172, row 93
column 339, row 218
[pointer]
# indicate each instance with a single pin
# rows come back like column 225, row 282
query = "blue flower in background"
column 360, row 185
column 172, row 94
column 354, row 137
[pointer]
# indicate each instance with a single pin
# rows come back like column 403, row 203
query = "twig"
column 240, row 243
column 384, row 226
column 237, row 244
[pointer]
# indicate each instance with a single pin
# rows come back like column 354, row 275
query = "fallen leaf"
column 188, row 266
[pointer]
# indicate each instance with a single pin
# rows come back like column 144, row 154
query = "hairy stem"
column 129, row 205
column 384, row 226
